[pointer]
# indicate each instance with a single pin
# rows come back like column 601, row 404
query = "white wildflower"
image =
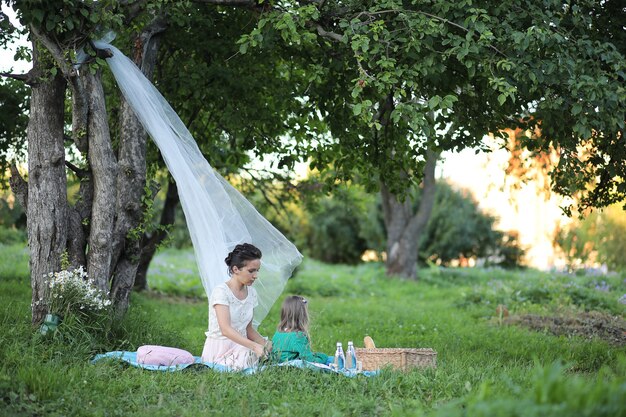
column 71, row 290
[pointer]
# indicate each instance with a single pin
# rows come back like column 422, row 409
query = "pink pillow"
column 163, row 356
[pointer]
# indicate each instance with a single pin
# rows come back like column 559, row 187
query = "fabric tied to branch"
column 217, row 215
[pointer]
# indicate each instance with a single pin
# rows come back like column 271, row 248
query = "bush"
column 458, row 228
column 12, row 236
column 600, row 237
column 335, row 227
column 14, row 263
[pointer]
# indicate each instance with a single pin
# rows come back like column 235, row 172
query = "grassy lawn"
column 487, row 366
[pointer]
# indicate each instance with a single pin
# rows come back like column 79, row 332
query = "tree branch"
column 157, row 26
column 330, row 35
column 263, row 189
column 429, row 188
column 29, row 78
column 56, row 52
column 80, row 173
column 79, row 97
column 79, row 115
column 133, row 9
column 432, row 16
column 446, row 21
column 101, row 53
column 80, row 104
column 384, row 107
column 19, row 77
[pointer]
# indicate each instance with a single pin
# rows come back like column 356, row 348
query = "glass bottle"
column 351, row 357
column 50, row 324
column 340, row 358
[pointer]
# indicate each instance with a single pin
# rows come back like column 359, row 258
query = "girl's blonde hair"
column 294, row 315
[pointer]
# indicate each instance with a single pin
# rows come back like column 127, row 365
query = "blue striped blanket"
column 131, row 358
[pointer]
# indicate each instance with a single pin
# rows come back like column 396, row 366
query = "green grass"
column 175, row 272
column 484, row 368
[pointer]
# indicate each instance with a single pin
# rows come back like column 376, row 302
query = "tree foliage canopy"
column 441, row 74
column 388, row 79
column 13, row 120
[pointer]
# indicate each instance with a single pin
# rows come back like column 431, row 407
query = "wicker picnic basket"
column 398, row 358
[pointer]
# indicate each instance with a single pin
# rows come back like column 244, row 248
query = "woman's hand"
column 259, row 350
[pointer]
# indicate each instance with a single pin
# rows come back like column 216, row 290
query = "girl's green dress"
column 287, row 346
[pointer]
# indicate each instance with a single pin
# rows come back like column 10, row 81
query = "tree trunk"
column 97, row 230
column 132, row 178
column 46, row 205
column 130, row 185
column 152, row 241
column 78, row 220
column 104, row 170
column 404, row 226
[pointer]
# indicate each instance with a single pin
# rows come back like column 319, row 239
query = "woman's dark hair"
column 240, row 255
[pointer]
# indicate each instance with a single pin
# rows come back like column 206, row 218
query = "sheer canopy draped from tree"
column 217, row 215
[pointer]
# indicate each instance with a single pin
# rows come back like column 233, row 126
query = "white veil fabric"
column 217, row 215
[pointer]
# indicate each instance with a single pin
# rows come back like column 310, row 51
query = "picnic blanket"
column 131, row 358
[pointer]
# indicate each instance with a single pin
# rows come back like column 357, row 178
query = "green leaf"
column 38, row 14
column 448, row 101
column 576, row 109
column 49, row 25
column 501, row 99
column 356, row 110
column 434, row 102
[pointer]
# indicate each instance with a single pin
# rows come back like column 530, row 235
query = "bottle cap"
column 350, row 342
column 338, row 343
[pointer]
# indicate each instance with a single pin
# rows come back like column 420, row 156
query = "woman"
column 231, row 339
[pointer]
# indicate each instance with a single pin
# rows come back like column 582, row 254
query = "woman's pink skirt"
column 228, row 353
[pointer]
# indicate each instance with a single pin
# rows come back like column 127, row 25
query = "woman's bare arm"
column 222, row 312
column 254, row 335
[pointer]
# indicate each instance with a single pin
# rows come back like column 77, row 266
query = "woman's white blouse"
column 241, row 311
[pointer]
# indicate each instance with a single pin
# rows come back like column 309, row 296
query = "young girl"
column 231, row 339
column 291, row 340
